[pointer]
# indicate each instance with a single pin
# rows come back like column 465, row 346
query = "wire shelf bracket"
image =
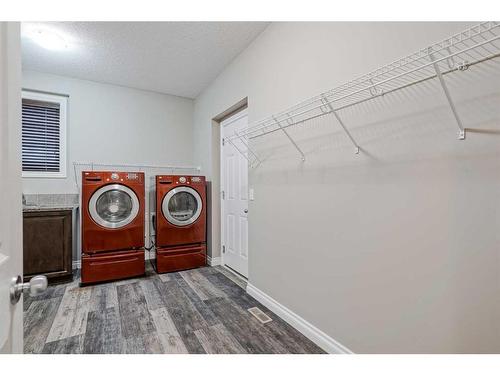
column 346, row 131
column 242, row 139
column 461, row 129
column 251, row 163
column 303, row 156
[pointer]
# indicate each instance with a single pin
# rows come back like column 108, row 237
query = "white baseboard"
column 313, row 333
column 216, row 261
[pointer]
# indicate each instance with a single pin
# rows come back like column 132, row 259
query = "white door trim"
column 234, row 117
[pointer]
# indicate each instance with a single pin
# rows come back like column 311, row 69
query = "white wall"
column 393, row 250
column 114, row 124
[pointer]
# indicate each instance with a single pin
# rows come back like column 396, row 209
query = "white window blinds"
column 43, row 130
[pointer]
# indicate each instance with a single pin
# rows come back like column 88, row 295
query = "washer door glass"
column 182, row 206
column 114, row 206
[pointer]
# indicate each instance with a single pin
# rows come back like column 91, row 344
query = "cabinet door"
column 47, row 244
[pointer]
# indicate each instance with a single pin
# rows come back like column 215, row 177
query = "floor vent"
column 259, row 314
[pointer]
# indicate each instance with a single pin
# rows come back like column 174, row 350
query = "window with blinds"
column 43, row 135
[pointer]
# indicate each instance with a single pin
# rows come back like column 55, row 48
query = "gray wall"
column 393, row 250
column 114, row 124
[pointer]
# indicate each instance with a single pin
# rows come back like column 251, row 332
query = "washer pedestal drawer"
column 113, row 265
column 169, row 259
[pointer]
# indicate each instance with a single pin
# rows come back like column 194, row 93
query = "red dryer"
column 181, row 220
column 112, row 225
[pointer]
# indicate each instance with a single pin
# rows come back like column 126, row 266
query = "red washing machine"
column 112, row 225
column 181, row 223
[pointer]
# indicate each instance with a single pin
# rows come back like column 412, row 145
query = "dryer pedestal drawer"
column 180, row 258
column 112, row 266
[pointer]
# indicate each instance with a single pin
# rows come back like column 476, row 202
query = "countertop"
column 49, row 208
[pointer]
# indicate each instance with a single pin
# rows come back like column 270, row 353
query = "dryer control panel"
column 181, row 180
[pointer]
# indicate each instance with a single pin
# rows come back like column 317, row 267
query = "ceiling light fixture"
column 45, row 37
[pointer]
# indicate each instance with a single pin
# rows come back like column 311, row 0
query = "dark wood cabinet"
column 48, row 244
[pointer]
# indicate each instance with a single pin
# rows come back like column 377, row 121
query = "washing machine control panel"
column 182, row 180
column 132, row 176
column 114, row 176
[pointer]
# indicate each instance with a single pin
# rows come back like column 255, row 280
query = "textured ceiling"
column 178, row 58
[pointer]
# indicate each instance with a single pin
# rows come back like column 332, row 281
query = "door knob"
column 37, row 285
column 245, row 210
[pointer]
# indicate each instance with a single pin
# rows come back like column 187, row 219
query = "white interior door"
column 234, row 172
column 11, row 252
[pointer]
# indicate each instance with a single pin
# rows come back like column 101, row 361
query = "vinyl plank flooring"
column 52, row 291
column 69, row 345
column 165, row 277
column 197, row 302
column 71, row 318
column 201, row 286
column 103, row 334
column 148, row 343
column 218, row 340
column 193, row 345
column 135, row 317
column 231, row 276
column 249, row 332
column 222, row 283
column 293, row 340
column 184, row 314
column 180, row 308
column 38, row 319
column 27, row 300
column 126, row 282
column 167, row 332
column 196, row 311
column 151, row 293
column 103, row 297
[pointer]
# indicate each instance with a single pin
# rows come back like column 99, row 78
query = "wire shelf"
column 472, row 46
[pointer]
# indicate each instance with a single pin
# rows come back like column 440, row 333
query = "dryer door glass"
column 182, row 206
column 114, row 206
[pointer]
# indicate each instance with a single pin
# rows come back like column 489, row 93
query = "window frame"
column 63, row 104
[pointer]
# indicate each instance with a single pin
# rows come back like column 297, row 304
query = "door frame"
column 11, row 97
column 241, row 111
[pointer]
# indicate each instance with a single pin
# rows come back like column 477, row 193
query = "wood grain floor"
column 196, row 311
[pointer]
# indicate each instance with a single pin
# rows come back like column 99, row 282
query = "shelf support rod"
column 461, row 130
column 347, row 132
column 241, row 152
column 290, row 138
column 240, row 137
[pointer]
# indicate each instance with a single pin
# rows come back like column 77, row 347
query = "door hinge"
column 223, row 142
column 223, row 249
column 223, row 194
